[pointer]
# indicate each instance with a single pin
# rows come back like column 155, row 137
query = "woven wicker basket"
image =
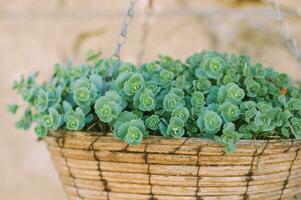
column 95, row 167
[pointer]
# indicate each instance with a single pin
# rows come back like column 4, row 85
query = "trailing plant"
column 210, row 95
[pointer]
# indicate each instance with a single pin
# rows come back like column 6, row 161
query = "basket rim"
column 61, row 133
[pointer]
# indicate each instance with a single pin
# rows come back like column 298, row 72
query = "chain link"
column 290, row 40
column 124, row 30
column 122, row 37
column 145, row 31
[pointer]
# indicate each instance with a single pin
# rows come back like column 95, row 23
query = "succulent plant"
column 210, row 95
column 171, row 101
column 202, row 84
column 84, row 92
column 152, row 122
column 41, row 101
column 229, row 137
column 175, row 127
column 13, row 108
column 75, row 120
column 133, row 85
column 296, row 127
column 213, row 66
column 131, row 131
column 107, row 109
column 229, row 112
column 144, row 100
column 53, row 120
column 198, row 100
column 41, row 131
column 181, row 112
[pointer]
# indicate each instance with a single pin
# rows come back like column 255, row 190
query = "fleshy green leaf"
column 13, row 108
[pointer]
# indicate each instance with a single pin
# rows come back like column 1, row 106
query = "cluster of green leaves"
column 210, row 95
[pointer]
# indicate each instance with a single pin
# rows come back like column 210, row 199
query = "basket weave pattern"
column 96, row 167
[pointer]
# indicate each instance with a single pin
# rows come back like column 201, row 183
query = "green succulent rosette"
column 166, row 76
column 131, row 132
column 252, row 87
column 197, row 100
column 210, row 122
column 152, row 122
column 150, row 68
column 235, row 93
column 106, row 109
column 213, row 67
column 264, row 122
column 41, row 100
column 172, row 100
column 124, row 117
column 248, row 110
column 231, row 75
column 181, row 82
column 231, row 93
column 229, row 112
column 123, row 67
column 75, row 120
column 175, row 66
column 134, row 84
column 133, row 136
column 53, row 120
column 144, row 100
column 84, row 92
column 181, row 112
column 247, row 105
column 152, row 86
column 175, row 128
column 202, row 84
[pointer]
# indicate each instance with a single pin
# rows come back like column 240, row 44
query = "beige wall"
column 34, row 35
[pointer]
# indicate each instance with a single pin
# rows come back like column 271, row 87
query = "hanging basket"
column 97, row 166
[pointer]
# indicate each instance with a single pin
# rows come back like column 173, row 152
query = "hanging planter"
column 211, row 127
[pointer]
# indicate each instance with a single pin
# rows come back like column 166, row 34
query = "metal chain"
column 145, row 32
column 291, row 42
column 122, row 37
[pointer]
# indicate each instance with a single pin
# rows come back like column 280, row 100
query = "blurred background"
column 35, row 34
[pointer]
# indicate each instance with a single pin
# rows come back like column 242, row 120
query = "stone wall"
column 34, row 35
